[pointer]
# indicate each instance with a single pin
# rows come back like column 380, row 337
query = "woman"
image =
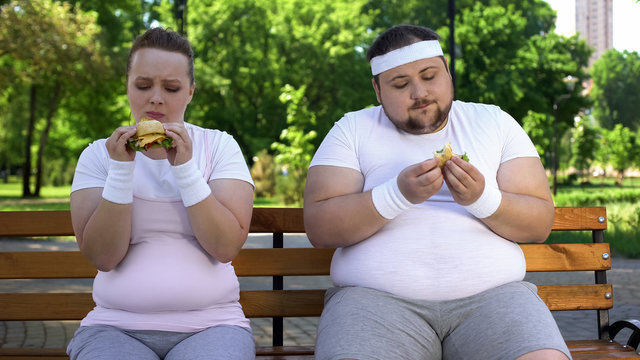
column 162, row 225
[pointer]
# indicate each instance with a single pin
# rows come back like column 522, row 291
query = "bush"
column 263, row 173
column 597, row 198
column 289, row 190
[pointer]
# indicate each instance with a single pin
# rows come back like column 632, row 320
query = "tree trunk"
column 53, row 107
column 26, row 167
column 620, row 177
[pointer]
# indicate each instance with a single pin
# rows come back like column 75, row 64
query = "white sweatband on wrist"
column 486, row 204
column 193, row 188
column 118, row 188
column 388, row 199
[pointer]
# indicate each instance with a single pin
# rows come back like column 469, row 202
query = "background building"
column 594, row 22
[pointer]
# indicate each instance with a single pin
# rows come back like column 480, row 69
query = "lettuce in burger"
column 149, row 133
column 446, row 154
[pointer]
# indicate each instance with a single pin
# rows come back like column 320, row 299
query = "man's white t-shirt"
column 435, row 250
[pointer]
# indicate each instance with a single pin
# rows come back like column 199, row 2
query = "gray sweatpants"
column 108, row 343
column 502, row 323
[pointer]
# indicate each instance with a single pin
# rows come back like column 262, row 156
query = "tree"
column 584, row 145
column 247, row 50
column 296, row 150
column 619, row 149
column 537, row 126
column 57, row 54
column 489, row 68
column 501, row 63
column 616, row 89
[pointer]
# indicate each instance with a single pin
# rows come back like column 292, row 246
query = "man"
column 427, row 265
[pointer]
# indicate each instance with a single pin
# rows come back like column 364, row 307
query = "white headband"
column 404, row 55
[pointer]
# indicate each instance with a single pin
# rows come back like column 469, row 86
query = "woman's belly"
column 166, row 275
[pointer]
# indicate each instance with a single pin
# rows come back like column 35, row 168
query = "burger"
column 446, row 154
column 149, row 133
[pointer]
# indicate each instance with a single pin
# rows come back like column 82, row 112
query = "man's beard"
column 414, row 125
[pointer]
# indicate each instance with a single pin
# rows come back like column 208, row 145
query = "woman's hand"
column 181, row 149
column 117, row 145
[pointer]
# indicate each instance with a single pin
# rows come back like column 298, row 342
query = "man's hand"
column 420, row 181
column 464, row 180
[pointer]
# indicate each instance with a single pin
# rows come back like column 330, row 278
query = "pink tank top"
column 167, row 281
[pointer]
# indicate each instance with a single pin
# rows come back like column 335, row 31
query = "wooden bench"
column 278, row 262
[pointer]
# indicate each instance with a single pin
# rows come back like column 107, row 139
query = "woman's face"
column 158, row 85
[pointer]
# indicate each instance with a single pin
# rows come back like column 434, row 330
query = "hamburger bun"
column 149, row 133
column 446, row 154
column 149, row 126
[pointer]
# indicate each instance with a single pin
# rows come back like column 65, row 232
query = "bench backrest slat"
column 35, row 223
column 577, row 297
column 45, row 265
column 580, row 218
column 291, row 261
column 270, row 303
column 567, row 257
column 264, row 220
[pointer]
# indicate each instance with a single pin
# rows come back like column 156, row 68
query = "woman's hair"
column 163, row 39
column 399, row 36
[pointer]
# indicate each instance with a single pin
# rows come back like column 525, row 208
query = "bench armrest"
column 632, row 324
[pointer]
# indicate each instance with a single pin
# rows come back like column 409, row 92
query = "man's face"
column 416, row 96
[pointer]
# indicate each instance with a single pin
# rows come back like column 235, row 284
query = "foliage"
column 538, row 127
column 599, row 197
column 584, row 144
column 619, row 148
column 247, row 50
column 505, row 60
column 295, row 152
column 616, row 89
column 263, row 173
column 57, row 56
column 489, row 70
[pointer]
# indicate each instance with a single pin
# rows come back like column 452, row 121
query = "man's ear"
column 376, row 88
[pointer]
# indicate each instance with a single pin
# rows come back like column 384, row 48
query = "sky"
column 626, row 23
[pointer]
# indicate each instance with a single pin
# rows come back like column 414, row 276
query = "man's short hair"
column 399, row 36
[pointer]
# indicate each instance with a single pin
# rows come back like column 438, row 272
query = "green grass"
column 57, row 198
column 51, row 197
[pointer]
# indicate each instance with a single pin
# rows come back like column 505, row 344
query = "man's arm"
column 526, row 211
column 336, row 211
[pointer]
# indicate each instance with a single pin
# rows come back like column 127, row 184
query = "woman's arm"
column 102, row 228
column 221, row 221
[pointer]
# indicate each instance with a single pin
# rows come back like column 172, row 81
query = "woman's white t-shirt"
column 167, row 281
